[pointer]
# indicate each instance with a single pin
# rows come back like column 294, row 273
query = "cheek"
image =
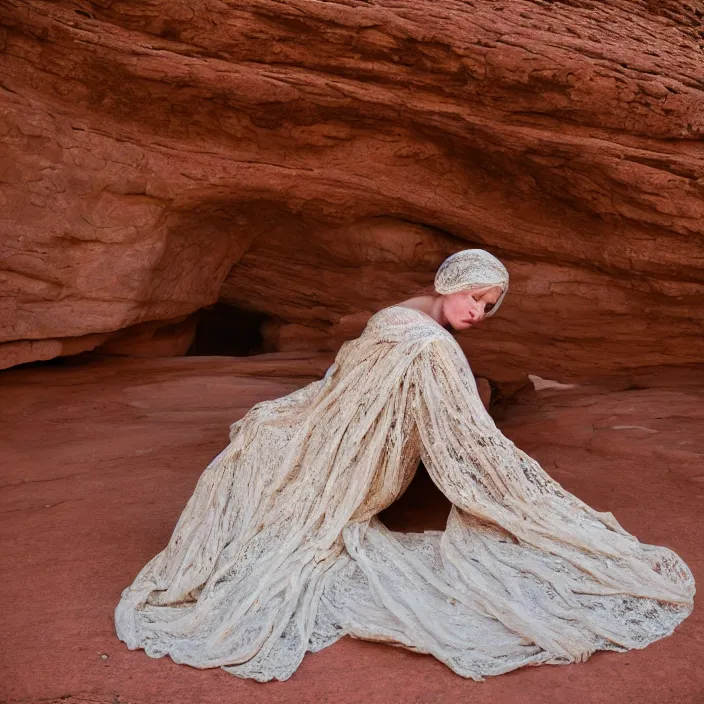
column 455, row 309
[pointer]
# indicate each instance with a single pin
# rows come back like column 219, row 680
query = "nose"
column 474, row 315
column 476, row 312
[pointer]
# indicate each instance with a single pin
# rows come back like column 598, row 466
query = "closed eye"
column 487, row 307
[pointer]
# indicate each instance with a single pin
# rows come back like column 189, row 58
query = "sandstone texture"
column 100, row 458
column 315, row 161
column 181, row 179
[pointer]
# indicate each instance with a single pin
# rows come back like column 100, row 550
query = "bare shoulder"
column 421, row 303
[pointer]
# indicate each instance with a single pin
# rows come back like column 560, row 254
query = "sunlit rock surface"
column 313, row 161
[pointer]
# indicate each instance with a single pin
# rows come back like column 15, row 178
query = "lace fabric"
column 279, row 550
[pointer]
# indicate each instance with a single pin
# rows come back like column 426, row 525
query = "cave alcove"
column 222, row 329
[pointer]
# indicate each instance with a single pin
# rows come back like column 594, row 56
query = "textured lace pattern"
column 279, row 550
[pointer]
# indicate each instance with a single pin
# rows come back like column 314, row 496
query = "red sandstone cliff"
column 313, row 161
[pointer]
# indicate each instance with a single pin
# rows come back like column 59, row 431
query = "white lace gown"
column 279, row 551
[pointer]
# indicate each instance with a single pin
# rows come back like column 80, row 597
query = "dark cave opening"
column 222, row 329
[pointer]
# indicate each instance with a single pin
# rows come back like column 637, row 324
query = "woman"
column 279, row 551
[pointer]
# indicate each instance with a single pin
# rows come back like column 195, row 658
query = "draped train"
column 279, row 551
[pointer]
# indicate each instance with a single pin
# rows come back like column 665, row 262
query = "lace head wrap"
column 472, row 268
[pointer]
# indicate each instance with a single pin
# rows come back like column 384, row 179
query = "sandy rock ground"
column 100, row 458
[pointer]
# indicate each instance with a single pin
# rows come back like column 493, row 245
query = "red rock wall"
column 316, row 161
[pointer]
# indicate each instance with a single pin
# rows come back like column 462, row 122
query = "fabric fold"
column 279, row 550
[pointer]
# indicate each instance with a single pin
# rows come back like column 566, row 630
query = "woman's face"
column 467, row 308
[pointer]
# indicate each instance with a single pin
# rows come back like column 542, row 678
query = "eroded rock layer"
column 314, row 162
